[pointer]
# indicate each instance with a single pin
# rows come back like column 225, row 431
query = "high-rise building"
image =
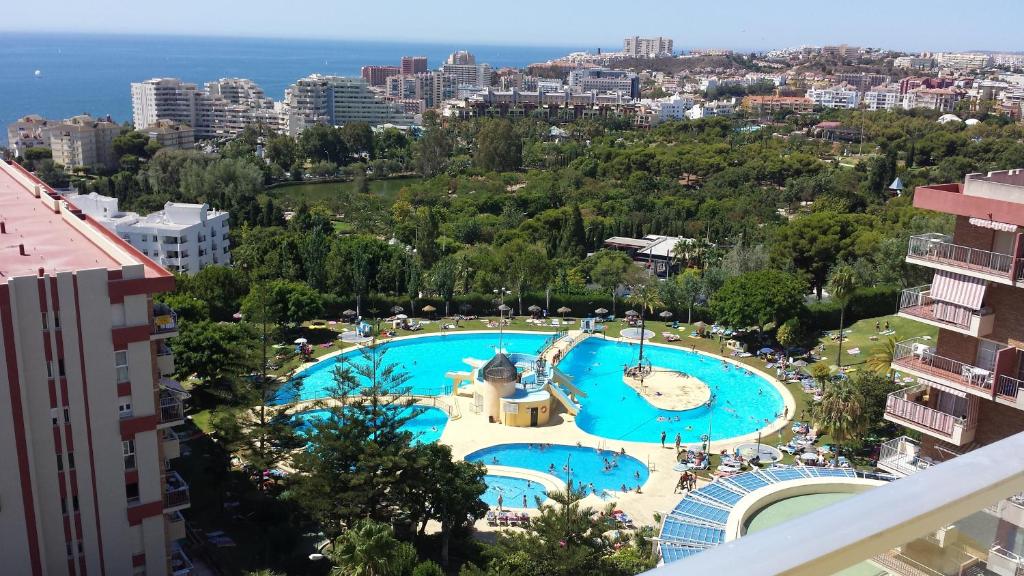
column 835, row 97
column 224, row 108
column 182, row 237
column 461, row 58
column 84, row 141
column 378, row 75
column 337, row 100
column 431, row 88
column 638, row 47
column 86, row 425
column 862, row 81
column 413, row 65
column 164, row 99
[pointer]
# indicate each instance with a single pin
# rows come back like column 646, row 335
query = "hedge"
column 864, row 303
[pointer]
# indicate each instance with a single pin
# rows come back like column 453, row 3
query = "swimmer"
column 494, row 460
column 551, row 468
column 637, row 474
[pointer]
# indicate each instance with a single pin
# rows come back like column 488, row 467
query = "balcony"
column 164, row 359
column 919, row 359
column 1010, row 390
column 938, row 251
column 174, row 526
column 900, row 456
column 909, row 408
column 179, row 562
column 165, row 321
column 170, row 444
column 917, row 304
column 1004, row 562
column 172, row 411
column 175, row 492
column 1012, row 510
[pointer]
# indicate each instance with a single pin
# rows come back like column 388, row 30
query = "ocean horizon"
column 90, row 73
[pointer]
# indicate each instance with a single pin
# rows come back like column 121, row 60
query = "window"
column 54, row 416
column 56, row 319
column 63, row 505
column 128, row 449
column 49, row 370
column 60, row 367
column 67, row 415
column 154, row 238
column 71, row 460
column 124, row 409
column 132, row 492
column 60, row 462
column 74, row 502
column 121, row 363
column 46, row 322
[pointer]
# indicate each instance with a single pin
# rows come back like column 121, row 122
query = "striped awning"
column 993, row 225
column 947, row 389
column 958, row 289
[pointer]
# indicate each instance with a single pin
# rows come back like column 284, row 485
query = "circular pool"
column 603, row 470
column 512, row 490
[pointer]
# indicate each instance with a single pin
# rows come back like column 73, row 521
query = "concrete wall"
column 522, row 418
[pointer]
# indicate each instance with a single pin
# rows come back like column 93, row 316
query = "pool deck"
column 472, row 432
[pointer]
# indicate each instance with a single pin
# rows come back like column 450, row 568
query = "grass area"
column 335, row 194
column 862, row 335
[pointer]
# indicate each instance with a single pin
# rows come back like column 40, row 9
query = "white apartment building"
column 171, row 134
column 86, row 425
column 31, row 131
column 605, row 80
column 475, row 76
column 164, row 99
column 337, row 100
column 636, row 46
column 835, row 97
column 914, row 63
column 224, row 108
column 182, row 237
column 431, row 88
column 963, row 60
column 886, row 97
column 941, row 99
column 84, row 141
column 712, row 108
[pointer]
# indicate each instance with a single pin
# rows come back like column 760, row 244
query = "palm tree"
column 370, row 549
column 841, row 284
column 646, row 296
column 881, row 357
column 840, row 411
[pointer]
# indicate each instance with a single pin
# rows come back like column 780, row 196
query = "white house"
column 182, row 237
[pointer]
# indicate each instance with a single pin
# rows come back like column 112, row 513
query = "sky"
column 912, row 25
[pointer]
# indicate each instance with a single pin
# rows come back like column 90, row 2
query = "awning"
column 174, row 386
column 993, row 225
column 958, row 289
column 947, row 389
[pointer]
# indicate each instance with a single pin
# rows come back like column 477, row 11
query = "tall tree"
column 610, row 269
column 323, row 143
column 525, row 267
column 840, row 411
column 443, row 278
column 758, row 299
column 841, row 285
column 498, row 147
column 370, row 549
column 358, row 138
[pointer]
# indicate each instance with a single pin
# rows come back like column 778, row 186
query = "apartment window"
column 74, row 503
column 63, row 505
column 54, row 416
column 154, row 238
column 56, row 319
column 128, row 449
column 46, row 322
column 60, row 367
column 121, row 364
column 124, row 409
column 49, row 370
column 132, row 492
column 67, row 415
column 71, row 460
column 60, row 462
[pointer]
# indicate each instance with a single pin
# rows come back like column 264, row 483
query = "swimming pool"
column 425, row 359
column 512, row 490
column 426, row 425
column 744, row 402
column 580, row 464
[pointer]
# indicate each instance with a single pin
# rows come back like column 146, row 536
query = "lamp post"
column 501, row 292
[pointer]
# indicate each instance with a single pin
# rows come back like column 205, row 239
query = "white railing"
column 175, row 491
column 871, row 523
column 1009, row 387
column 902, row 456
column 939, row 248
column 917, row 354
column 900, row 405
column 919, row 303
column 171, row 408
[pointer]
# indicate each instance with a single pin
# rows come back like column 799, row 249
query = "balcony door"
column 986, row 358
column 1002, row 242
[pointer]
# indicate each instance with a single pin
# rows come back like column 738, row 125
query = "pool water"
column 743, row 402
column 426, row 425
column 425, row 360
column 585, row 465
column 512, row 491
column 793, row 507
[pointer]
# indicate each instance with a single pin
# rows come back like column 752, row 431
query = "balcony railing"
column 918, row 302
column 175, row 491
column 902, row 456
column 939, row 249
column 171, row 408
column 902, row 405
column 1004, row 562
column 180, row 563
column 1009, row 387
column 165, row 321
column 918, row 356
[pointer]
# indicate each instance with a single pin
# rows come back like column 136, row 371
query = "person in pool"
column 551, row 468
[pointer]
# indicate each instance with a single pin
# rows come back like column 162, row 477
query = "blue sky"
column 738, row 24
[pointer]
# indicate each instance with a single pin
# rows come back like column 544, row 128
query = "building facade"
column 605, row 80
column 84, row 141
column 182, row 238
column 638, row 47
column 430, row 88
column 86, row 427
column 835, row 97
column 171, row 134
column 774, row 104
column 413, row 65
column 378, row 75
column 31, row 131
column 337, row 100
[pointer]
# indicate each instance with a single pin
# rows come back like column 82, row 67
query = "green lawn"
column 862, row 335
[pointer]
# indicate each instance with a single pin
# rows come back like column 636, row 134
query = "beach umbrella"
column 666, row 314
column 601, row 311
column 237, row 315
column 397, row 309
column 301, row 340
column 564, row 310
column 401, row 317
column 632, row 313
column 765, row 350
column 800, row 364
column 808, row 456
column 349, row 312
column 428, row 308
column 534, row 308
column 502, row 309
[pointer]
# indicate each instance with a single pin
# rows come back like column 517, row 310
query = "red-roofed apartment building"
column 86, row 409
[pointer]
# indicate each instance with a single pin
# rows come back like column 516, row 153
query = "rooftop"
column 48, row 233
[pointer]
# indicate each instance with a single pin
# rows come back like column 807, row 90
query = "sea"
column 61, row 75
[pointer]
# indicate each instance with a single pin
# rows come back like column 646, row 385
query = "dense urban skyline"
column 906, row 26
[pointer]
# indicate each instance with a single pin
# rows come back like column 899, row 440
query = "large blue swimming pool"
column 426, row 425
column 743, row 402
column 604, row 469
column 425, row 360
column 512, row 491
